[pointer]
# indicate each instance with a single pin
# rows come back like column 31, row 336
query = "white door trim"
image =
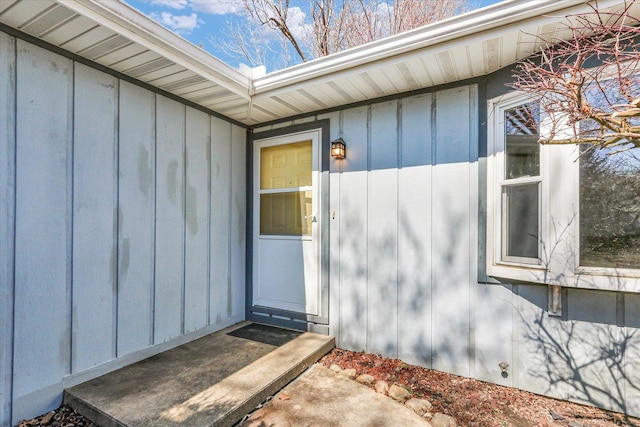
column 272, row 249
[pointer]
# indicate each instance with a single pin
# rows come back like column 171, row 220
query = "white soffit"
column 462, row 47
column 116, row 36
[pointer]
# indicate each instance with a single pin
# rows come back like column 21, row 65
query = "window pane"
column 520, row 221
column 521, row 135
column 610, row 208
column 286, row 166
column 607, row 96
column 284, row 214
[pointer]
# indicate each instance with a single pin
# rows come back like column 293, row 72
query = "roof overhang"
column 117, row 36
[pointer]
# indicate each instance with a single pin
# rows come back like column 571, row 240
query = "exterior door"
column 286, row 223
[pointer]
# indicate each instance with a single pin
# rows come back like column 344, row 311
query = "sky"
column 205, row 22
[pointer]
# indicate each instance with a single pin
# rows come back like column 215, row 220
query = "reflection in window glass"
column 610, row 208
column 607, row 96
column 286, row 213
column 521, row 135
column 286, row 166
column 520, row 219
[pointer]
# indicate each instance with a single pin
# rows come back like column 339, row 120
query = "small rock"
column 335, row 368
column 442, row 420
column 555, row 415
column 382, row 387
column 575, row 424
column 365, row 379
column 351, row 373
column 419, row 406
column 399, row 393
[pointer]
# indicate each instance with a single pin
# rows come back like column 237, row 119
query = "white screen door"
column 286, row 224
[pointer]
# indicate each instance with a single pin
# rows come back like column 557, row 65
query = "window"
column 559, row 214
column 520, row 187
column 610, row 209
column 285, row 189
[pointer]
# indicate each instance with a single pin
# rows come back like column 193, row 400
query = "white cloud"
column 298, row 27
column 296, row 22
column 181, row 24
column 174, row 4
column 218, row 7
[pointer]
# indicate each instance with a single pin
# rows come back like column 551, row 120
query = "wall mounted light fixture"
column 338, row 149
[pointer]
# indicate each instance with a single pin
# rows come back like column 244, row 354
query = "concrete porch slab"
column 215, row 380
column 320, row 397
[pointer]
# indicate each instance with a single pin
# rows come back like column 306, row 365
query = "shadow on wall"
column 399, row 296
column 586, row 356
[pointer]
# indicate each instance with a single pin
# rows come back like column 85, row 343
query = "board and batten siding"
column 7, row 220
column 407, row 188
column 406, row 235
column 121, row 225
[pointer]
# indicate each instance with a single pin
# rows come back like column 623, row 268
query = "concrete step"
column 213, row 381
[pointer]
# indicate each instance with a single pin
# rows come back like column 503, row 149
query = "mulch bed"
column 61, row 417
column 476, row 403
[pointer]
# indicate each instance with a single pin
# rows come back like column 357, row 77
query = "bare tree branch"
column 335, row 25
column 588, row 83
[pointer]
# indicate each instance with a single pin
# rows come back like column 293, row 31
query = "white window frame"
column 558, row 215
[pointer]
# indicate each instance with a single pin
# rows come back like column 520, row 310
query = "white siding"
column 95, row 196
column 238, row 223
column 382, row 236
column 136, row 211
column 7, row 217
column 42, row 332
column 405, row 228
column 334, row 228
column 221, row 291
column 169, row 256
column 494, row 329
column 197, row 185
column 593, row 322
column 630, row 360
column 118, row 199
column 450, row 212
column 404, row 259
column 353, row 232
column 414, row 232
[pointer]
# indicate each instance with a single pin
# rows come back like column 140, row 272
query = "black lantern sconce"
column 338, row 149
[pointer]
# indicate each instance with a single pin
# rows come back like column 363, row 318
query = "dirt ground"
column 471, row 402
column 476, row 403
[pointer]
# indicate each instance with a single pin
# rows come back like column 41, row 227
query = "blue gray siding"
column 406, row 190
column 406, row 255
column 121, row 230
column 7, row 221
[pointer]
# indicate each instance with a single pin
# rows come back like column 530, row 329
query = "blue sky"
column 203, row 21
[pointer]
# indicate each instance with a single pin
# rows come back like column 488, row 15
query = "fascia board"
column 124, row 20
column 473, row 26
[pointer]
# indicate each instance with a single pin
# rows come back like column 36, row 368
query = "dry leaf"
column 47, row 417
column 284, row 396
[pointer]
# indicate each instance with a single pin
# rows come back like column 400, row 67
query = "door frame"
column 278, row 317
